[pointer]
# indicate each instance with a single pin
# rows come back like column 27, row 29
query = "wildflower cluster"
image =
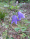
column 15, row 18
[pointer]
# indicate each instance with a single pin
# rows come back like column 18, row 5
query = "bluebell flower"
column 20, row 15
column 14, row 19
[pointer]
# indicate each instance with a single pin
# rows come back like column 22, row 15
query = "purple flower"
column 20, row 15
column 14, row 19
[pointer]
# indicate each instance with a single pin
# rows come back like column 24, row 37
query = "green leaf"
column 0, row 20
column 24, row 35
column 29, row 37
column 10, row 22
column 11, row 7
column 16, row 29
column 7, row 37
column 23, row 29
column 12, row 38
column 18, row 25
column 2, row 14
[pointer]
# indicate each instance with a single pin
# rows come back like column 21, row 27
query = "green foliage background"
column 15, row 0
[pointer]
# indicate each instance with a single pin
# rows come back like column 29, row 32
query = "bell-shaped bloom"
column 20, row 15
column 14, row 19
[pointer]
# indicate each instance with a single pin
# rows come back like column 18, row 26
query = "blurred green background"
column 15, row 0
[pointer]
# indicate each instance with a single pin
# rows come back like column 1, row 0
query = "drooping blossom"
column 14, row 19
column 20, row 15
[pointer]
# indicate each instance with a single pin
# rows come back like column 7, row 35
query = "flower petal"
column 11, row 22
column 20, row 15
column 14, row 19
column 15, row 22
